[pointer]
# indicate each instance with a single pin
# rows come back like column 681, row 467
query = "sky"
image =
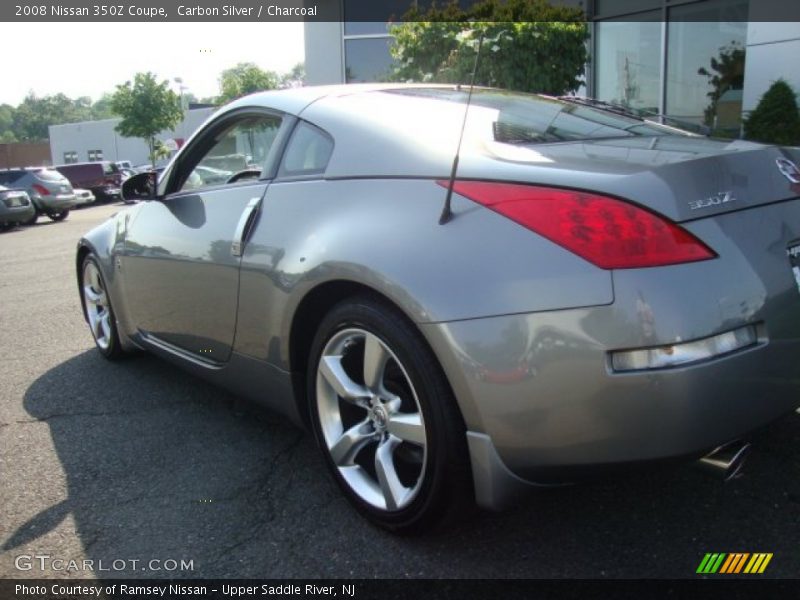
column 88, row 59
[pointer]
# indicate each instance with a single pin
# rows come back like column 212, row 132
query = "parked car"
column 15, row 208
column 589, row 290
column 123, row 164
column 50, row 192
column 83, row 197
column 103, row 178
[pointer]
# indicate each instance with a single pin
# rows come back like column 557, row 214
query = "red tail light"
column 607, row 232
column 41, row 190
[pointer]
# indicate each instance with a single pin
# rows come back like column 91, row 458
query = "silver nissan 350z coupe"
column 590, row 290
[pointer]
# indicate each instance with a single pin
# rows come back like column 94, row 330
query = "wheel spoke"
column 394, row 492
column 334, row 373
column 344, row 450
column 375, row 358
column 105, row 325
column 408, row 427
column 97, row 298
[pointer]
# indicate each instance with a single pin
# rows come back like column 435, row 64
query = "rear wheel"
column 98, row 311
column 58, row 216
column 385, row 418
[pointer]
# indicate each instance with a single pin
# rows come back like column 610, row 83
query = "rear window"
column 7, row 177
column 50, row 175
column 518, row 118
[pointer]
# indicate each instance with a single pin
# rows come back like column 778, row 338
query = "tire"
column 388, row 426
column 58, row 216
column 98, row 310
column 7, row 226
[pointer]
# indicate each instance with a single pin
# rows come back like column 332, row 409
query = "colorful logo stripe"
column 734, row 563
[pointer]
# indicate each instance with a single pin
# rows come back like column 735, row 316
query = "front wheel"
column 58, row 216
column 98, row 311
column 385, row 418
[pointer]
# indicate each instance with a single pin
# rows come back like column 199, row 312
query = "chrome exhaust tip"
column 726, row 460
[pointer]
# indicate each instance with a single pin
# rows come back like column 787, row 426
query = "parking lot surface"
column 137, row 464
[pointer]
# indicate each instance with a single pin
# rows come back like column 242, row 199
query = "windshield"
column 528, row 119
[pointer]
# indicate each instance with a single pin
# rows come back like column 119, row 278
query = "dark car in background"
column 50, row 192
column 103, row 178
column 15, row 208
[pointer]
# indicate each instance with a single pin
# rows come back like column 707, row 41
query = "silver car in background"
column 591, row 290
column 50, row 191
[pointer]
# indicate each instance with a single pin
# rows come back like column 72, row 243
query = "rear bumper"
column 543, row 405
column 17, row 214
column 55, row 203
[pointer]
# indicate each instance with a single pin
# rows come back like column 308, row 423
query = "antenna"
column 447, row 212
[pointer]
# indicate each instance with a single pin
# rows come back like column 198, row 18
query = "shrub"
column 776, row 119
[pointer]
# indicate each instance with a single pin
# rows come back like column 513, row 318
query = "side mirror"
column 140, row 187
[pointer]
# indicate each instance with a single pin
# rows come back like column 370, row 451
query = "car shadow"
column 161, row 466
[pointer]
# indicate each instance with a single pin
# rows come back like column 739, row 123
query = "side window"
column 242, row 147
column 307, row 153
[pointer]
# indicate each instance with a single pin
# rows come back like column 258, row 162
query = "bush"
column 776, row 119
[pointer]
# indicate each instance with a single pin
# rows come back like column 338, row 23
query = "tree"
column 146, row 107
column 7, row 134
column 245, row 78
column 528, row 45
column 296, row 77
column 776, row 119
column 35, row 114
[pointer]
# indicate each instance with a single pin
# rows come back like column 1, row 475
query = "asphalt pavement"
column 137, row 466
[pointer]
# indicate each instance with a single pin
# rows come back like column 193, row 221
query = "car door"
column 180, row 264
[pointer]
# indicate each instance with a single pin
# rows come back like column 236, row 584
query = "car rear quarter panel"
column 385, row 234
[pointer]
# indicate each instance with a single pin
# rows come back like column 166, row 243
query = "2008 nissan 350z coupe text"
column 577, row 297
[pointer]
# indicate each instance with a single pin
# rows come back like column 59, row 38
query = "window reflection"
column 705, row 65
column 627, row 64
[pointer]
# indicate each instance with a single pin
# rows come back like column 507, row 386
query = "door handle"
column 238, row 237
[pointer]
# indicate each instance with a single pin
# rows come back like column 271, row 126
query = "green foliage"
column 245, row 78
column 776, row 119
column 146, row 107
column 296, row 77
column 528, row 45
column 727, row 73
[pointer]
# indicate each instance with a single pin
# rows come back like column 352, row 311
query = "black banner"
column 359, row 10
column 419, row 589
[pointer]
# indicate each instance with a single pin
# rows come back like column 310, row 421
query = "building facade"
column 98, row 140
column 698, row 62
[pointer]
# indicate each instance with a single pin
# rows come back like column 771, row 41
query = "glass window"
column 517, row 118
column 367, row 60
column 308, row 151
column 627, row 62
column 70, row 157
column 705, row 65
column 242, row 146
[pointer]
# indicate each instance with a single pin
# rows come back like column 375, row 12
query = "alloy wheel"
column 97, row 305
column 370, row 419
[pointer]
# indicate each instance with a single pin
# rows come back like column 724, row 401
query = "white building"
column 97, row 140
